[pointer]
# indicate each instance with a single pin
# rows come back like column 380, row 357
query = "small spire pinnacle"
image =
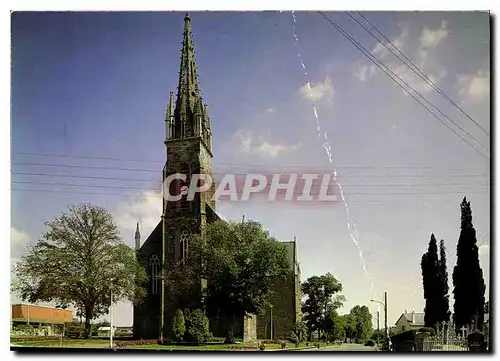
column 137, row 238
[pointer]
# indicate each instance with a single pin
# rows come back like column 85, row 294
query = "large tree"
column 362, row 322
column 78, row 262
column 240, row 263
column 321, row 294
column 468, row 282
column 431, row 283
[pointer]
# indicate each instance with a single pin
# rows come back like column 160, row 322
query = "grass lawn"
column 105, row 344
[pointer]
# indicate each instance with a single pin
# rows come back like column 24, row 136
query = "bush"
column 132, row 343
column 197, row 326
column 301, row 331
column 179, row 327
column 262, row 346
column 293, row 338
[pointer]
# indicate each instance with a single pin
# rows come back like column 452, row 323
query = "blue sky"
column 96, row 85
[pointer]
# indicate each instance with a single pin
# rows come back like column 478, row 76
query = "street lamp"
column 385, row 314
column 111, row 315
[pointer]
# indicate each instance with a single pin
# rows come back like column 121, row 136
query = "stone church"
column 188, row 144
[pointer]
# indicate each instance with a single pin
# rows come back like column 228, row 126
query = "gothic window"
column 184, row 244
column 170, row 244
column 154, row 264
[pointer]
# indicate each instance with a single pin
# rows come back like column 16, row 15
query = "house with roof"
column 409, row 321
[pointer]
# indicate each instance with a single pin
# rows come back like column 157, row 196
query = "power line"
column 216, row 173
column 253, row 200
column 155, row 180
column 441, row 112
column 381, row 66
column 420, row 73
column 225, row 164
column 294, row 193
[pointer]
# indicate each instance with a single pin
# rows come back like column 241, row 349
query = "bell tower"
column 188, row 151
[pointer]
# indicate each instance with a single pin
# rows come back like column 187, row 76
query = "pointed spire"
column 169, row 118
column 137, row 238
column 188, row 89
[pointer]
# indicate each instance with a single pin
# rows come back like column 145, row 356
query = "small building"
column 43, row 319
column 409, row 321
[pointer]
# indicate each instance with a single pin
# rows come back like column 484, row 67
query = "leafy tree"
column 320, row 291
column 78, row 261
column 350, row 326
column 335, row 326
column 339, row 328
column 240, row 263
column 468, row 282
column 362, row 322
column 431, row 283
column 197, row 326
column 179, row 327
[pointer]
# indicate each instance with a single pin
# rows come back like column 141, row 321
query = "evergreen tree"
column 179, row 327
column 431, row 283
column 468, row 282
column 444, row 306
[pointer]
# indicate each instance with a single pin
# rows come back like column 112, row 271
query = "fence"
column 437, row 343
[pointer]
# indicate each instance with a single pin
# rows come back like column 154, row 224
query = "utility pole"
column 385, row 315
column 378, row 327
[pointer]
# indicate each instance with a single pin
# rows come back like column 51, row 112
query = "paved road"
column 345, row 347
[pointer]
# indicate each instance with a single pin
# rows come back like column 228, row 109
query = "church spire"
column 137, row 238
column 188, row 116
column 188, row 92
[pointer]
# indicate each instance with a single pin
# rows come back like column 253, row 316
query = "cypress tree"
column 468, row 282
column 431, row 283
column 444, row 309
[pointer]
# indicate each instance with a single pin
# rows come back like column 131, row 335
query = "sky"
column 90, row 90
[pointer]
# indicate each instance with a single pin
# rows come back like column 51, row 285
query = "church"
column 188, row 142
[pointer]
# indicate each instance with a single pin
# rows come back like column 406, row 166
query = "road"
column 345, row 347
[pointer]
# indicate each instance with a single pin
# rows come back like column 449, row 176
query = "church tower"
column 189, row 152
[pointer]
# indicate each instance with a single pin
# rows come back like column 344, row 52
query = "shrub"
column 179, row 327
column 197, row 326
column 293, row 338
column 133, row 343
column 262, row 346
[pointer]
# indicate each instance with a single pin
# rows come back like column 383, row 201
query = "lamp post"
column 385, row 314
column 111, row 315
column 271, row 307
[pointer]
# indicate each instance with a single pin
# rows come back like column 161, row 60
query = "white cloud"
column 428, row 41
column 247, row 143
column 364, row 72
column 318, row 91
column 430, row 38
column 476, row 86
column 18, row 237
column 145, row 209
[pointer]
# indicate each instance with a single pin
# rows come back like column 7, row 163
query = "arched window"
column 154, row 263
column 183, row 244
